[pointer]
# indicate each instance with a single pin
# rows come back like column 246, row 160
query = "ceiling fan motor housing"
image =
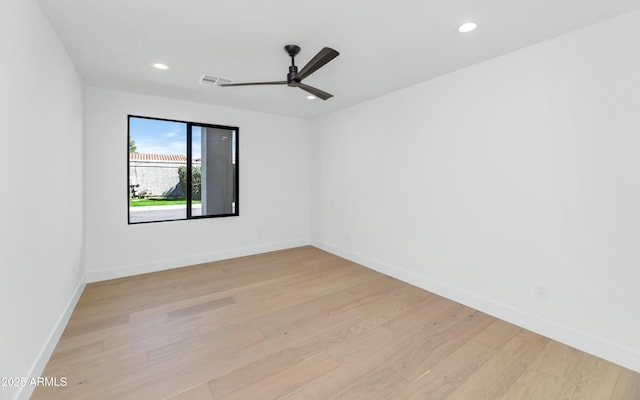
column 292, row 76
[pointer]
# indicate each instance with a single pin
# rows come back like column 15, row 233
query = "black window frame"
column 189, row 177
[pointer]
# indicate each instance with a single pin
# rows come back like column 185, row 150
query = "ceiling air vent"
column 213, row 80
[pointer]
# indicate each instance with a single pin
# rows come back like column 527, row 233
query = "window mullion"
column 189, row 186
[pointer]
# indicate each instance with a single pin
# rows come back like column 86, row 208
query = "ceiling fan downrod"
column 292, row 76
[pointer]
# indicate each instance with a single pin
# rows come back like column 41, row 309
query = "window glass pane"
column 157, row 166
column 215, row 175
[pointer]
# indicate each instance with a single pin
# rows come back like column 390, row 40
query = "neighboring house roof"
column 159, row 157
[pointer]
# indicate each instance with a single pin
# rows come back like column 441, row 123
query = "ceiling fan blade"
column 314, row 91
column 324, row 56
column 255, row 83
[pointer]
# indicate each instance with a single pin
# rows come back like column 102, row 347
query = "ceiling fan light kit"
column 295, row 77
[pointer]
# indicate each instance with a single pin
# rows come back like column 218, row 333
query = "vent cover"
column 213, row 80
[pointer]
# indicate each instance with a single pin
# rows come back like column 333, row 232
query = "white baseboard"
column 160, row 265
column 624, row 356
column 43, row 357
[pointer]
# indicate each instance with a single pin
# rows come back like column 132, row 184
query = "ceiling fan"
column 294, row 78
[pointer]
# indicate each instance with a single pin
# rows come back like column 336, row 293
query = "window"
column 181, row 170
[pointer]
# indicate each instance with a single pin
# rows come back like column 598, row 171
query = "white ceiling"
column 384, row 45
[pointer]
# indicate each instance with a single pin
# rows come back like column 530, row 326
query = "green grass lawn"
column 158, row 202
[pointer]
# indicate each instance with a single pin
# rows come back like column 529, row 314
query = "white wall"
column 274, row 189
column 41, row 234
column 486, row 182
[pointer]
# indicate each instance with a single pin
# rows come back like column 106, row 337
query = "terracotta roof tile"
column 157, row 157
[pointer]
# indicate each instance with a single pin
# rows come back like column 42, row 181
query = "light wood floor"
column 304, row 324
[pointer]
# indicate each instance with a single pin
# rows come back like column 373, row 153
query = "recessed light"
column 467, row 27
column 311, row 97
column 160, row 66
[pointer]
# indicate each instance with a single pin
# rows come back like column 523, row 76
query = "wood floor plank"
column 378, row 347
column 352, row 331
column 427, row 314
column 177, row 371
column 287, row 379
column 495, row 377
column 439, row 380
column 93, row 324
column 430, row 347
column 200, row 392
column 253, row 372
column 383, row 383
column 627, row 386
column 305, row 324
column 546, row 376
column 593, row 378
column 203, row 344
column 199, row 308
